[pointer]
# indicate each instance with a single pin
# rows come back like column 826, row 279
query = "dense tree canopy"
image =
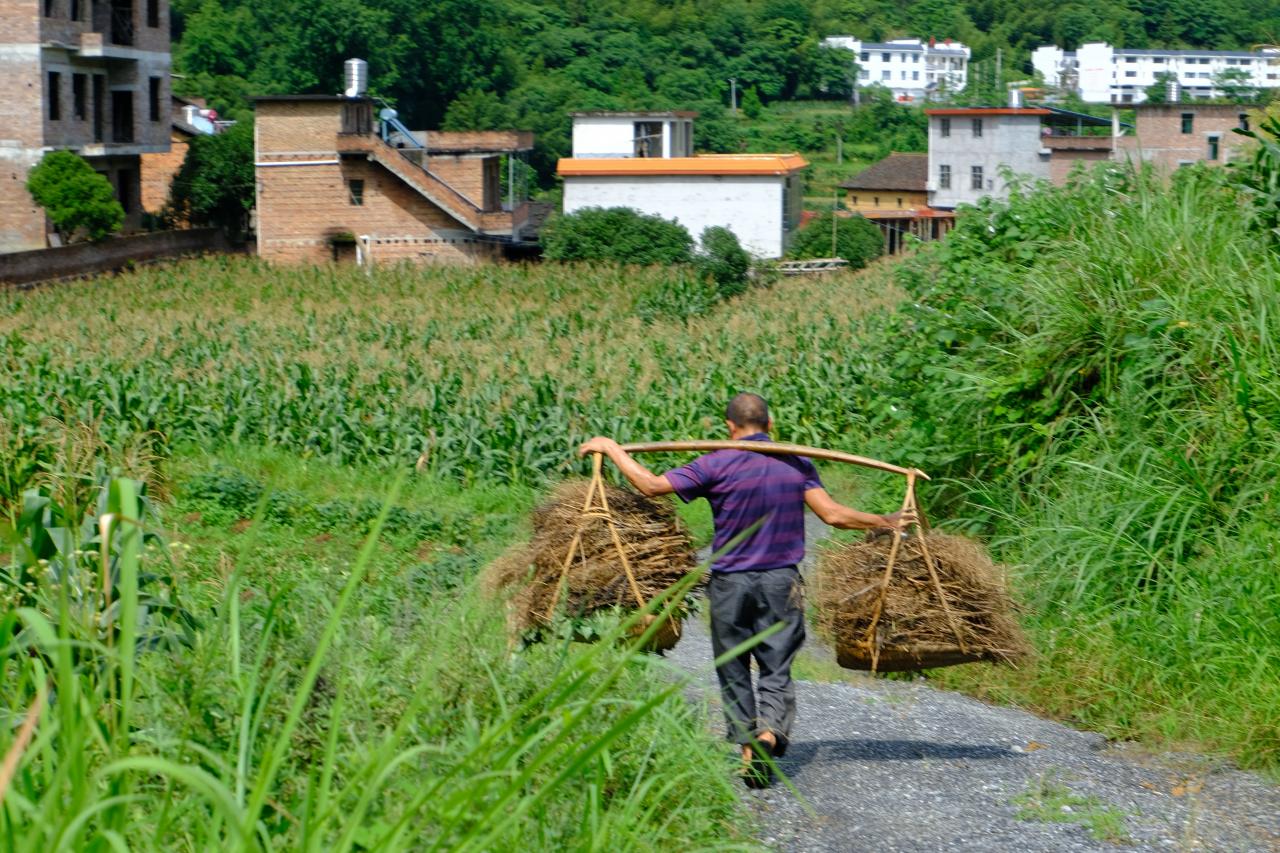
column 528, row 63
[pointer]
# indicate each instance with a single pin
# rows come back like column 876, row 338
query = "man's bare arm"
column 645, row 481
column 846, row 518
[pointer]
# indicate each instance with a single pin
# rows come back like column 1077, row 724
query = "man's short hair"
column 747, row 409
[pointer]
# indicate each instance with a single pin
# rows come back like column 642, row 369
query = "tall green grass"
column 332, row 699
column 1094, row 369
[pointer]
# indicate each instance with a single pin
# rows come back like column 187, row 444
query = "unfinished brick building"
column 1179, row 134
column 331, row 187
column 91, row 76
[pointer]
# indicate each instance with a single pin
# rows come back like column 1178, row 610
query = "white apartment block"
column 912, row 69
column 1100, row 73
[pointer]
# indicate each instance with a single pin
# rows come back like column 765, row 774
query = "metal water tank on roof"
column 355, row 78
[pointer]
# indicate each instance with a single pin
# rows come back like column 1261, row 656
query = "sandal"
column 758, row 772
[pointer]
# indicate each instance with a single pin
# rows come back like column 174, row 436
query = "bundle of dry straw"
column 534, row 577
column 912, row 628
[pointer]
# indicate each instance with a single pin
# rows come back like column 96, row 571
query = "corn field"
column 492, row 372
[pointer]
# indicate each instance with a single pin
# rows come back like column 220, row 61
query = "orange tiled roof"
column 706, row 164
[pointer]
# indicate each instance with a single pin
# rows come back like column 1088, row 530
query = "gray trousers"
column 742, row 605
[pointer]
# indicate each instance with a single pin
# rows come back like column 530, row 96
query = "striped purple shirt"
column 743, row 488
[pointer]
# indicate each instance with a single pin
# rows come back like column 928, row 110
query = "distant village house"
column 645, row 161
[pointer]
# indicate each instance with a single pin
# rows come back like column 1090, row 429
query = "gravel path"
column 896, row 766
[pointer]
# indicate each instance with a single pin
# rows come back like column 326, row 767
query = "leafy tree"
column 618, row 234
column 1158, row 92
column 75, row 197
column 215, row 184
column 724, row 261
column 477, row 110
column 1236, row 85
column 751, row 105
column 857, row 240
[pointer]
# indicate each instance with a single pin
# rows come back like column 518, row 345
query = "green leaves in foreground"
column 558, row 747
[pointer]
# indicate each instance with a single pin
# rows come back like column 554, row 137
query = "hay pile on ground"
column 913, row 631
column 657, row 545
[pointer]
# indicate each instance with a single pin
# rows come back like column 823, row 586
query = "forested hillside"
column 526, row 62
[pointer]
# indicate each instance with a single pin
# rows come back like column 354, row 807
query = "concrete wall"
column 750, row 206
column 21, row 268
column 1006, row 140
column 614, row 136
column 1158, row 136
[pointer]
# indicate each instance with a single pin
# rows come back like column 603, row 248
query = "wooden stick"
column 937, row 585
column 597, row 463
column 14, row 754
column 907, row 501
column 776, row 448
column 622, row 552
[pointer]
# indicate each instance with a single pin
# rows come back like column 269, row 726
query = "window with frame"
column 1243, row 121
column 153, row 13
column 74, row 13
column 944, row 177
column 1188, row 122
column 1213, row 147
column 977, row 127
column 48, row 8
column 55, row 96
column 648, row 139
column 1131, row 73
column 975, row 177
column 886, row 57
column 153, row 98
column 884, row 75
column 355, row 192
column 80, row 96
column 866, row 56
column 944, row 128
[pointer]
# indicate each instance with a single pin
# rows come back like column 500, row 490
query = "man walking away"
column 757, row 503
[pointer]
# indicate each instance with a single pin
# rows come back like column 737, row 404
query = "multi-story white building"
column 912, row 69
column 1100, row 73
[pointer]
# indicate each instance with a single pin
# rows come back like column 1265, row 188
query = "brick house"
column 1173, row 135
column 330, row 187
column 90, row 76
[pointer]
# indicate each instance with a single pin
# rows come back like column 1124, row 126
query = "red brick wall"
column 301, row 207
column 464, row 174
column 158, row 171
column 1158, row 136
column 1063, row 163
column 303, row 129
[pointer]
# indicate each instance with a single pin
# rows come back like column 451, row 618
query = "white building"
column 644, row 161
column 1100, row 73
column 913, row 70
column 971, row 147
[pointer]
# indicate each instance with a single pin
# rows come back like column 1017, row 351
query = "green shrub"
column 215, row 184
column 75, row 197
column 618, row 234
column 857, row 240
column 724, row 261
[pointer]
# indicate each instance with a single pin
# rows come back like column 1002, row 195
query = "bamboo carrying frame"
column 865, row 653
column 596, row 507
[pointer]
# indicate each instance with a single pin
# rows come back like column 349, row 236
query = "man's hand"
column 599, row 444
column 901, row 520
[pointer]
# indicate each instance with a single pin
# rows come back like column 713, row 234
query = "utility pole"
column 835, row 203
column 733, row 95
column 999, row 82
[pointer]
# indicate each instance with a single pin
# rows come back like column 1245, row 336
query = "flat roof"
column 706, row 164
column 261, row 98
column 635, row 114
column 988, row 111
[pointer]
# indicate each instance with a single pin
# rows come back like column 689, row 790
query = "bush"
column 618, row 234
column 75, row 197
column 724, row 261
column 858, row 240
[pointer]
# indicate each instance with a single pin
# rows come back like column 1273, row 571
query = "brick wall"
column 23, row 268
column 158, row 171
column 301, row 129
column 1063, row 162
column 301, row 207
column 1158, row 136
column 464, row 174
